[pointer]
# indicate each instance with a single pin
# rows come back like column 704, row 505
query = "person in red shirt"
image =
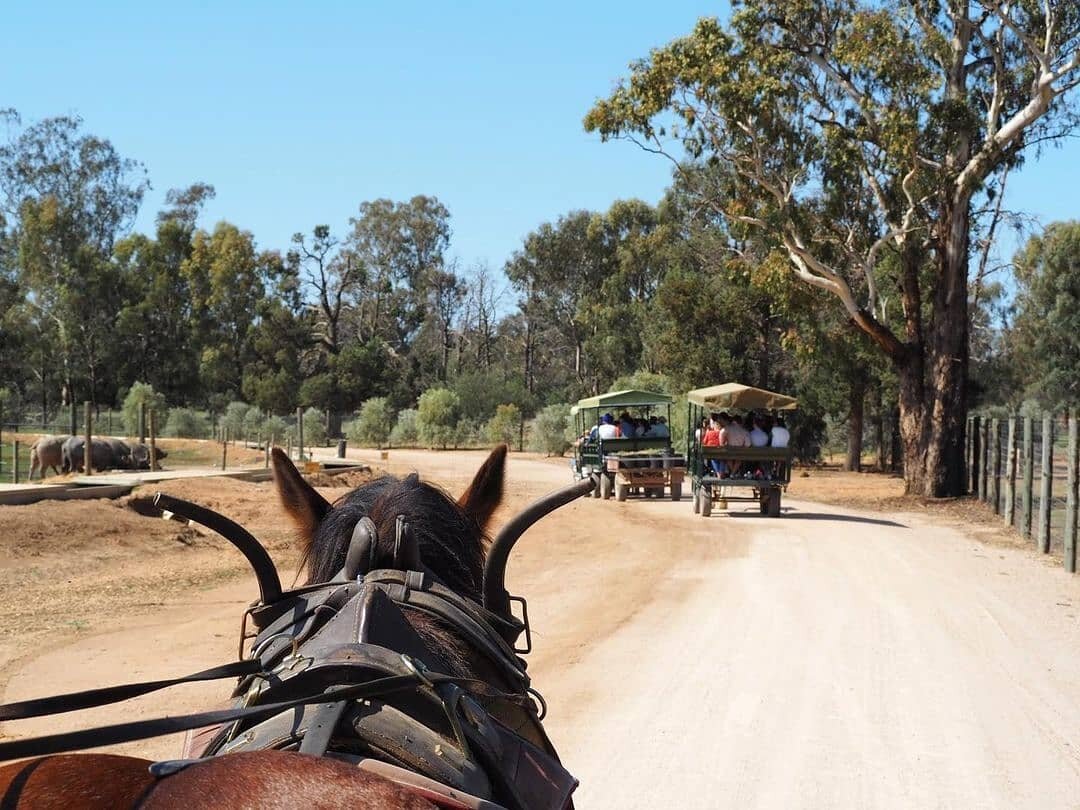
column 712, row 438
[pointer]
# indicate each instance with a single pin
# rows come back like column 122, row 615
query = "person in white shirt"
column 607, row 429
column 737, row 435
column 780, row 434
column 758, row 436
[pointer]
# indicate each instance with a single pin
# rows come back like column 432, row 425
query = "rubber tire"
column 706, row 503
column 596, row 489
column 605, row 486
column 676, row 492
column 774, row 503
column 620, row 492
column 696, row 498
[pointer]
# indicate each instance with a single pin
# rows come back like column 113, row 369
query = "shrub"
column 374, row 423
column 136, row 395
column 233, row 419
column 254, row 422
column 551, row 431
column 505, row 426
column 275, row 429
column 467, row 433
column 406, row 432
column 437, row 417
column 314, row 428
column 186, row 423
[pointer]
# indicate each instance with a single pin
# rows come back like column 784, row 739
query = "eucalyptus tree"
column 67, row 196
column 855, row 129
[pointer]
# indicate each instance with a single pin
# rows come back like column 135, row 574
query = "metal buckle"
column 525, row 623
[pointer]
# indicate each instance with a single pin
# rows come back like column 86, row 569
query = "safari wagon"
column 756, row 474
column 626, row 465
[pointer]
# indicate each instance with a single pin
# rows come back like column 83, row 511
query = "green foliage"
column 233, row 419
column 314, row 428
column 253, row 421
column 374, row 424
column 138, row 394
column 438, row 411
column 187, row 423
column 275, row 429
column 1046, row 341
column 551, row 431
column 406, row 432
column 468, row 433
column 505, row 426
column 480, row 392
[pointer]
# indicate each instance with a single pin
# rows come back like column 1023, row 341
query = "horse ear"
column 485, row 492
column 305, row 506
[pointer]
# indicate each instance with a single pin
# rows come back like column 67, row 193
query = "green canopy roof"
column 623, row 399
column 734, row 395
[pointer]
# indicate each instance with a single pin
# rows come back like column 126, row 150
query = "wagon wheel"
column 763, row 501
column 620, row 491
column 696, row 498
column 676, row 492
column 596, row 489
column 706, row 502
column 605, row 486
column 774, row 502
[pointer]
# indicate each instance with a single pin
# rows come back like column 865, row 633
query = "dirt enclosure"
column 879, row 653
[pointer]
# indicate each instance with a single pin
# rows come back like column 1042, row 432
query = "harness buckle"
column 524, row 622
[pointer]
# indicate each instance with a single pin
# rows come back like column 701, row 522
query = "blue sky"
column 298, row 112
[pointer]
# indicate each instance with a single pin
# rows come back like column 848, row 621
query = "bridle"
column 401, row 713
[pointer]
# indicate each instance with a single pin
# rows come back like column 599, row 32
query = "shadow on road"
column 794, row 514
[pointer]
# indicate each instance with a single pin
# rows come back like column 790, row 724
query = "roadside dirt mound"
column 351, row 479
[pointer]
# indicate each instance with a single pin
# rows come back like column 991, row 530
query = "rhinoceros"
column 101, row 454
column 121, row 454
column 140, row 456
column 47, row 452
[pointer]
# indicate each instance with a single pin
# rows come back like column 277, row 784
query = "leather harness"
column 337, row 669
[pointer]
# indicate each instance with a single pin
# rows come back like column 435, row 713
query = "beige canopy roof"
column 735, row 395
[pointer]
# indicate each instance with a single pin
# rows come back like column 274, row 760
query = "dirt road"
column 821, row 659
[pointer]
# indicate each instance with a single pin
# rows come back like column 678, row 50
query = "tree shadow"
column 795, row 514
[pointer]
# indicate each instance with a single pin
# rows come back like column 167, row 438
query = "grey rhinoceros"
column 101, row 454
column 47, row 452
column 140, row 456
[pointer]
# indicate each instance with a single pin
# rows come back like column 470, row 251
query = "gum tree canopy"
column 863, row 136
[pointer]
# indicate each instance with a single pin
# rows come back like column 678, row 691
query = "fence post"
column 110, row 420
column 153, row 441
column 1010, row 475
column 300, row 434
column 74, row 418
column 995, row 454
column 224, row 445
column 1071, row 494
column 88, row 446
column 142, row 423
column 266, row 457
column 984, row 466
column 1029, row 477
column 15, row 462
column 1046, row 487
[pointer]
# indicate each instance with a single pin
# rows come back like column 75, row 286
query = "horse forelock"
column 451, row 542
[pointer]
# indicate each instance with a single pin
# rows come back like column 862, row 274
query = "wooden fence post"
column 15, row 462
column 88, row 448
column 300, row 434
column 1010, row 475
column 142, row 423
column 995, row 456
column 153, row 441
column 266, row 457
column 1029, row 477
column 1071, row 494
column 984, row 467
column 224, row 445
column 1046, row 485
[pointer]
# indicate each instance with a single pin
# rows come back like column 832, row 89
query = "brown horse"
column 451, row 539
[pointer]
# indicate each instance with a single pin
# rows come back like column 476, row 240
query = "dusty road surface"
column 822, row 659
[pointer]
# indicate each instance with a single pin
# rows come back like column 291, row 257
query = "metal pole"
column 88, row 447
column 1071, row 495
column 1046, row 486
column 153, row 441
column 224, row 445
column 1010, row 475
column 300, row 434
column 15, row 462
column 976, row 454
column 984, row 468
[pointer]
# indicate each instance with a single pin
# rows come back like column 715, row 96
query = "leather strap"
column 74, row 701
